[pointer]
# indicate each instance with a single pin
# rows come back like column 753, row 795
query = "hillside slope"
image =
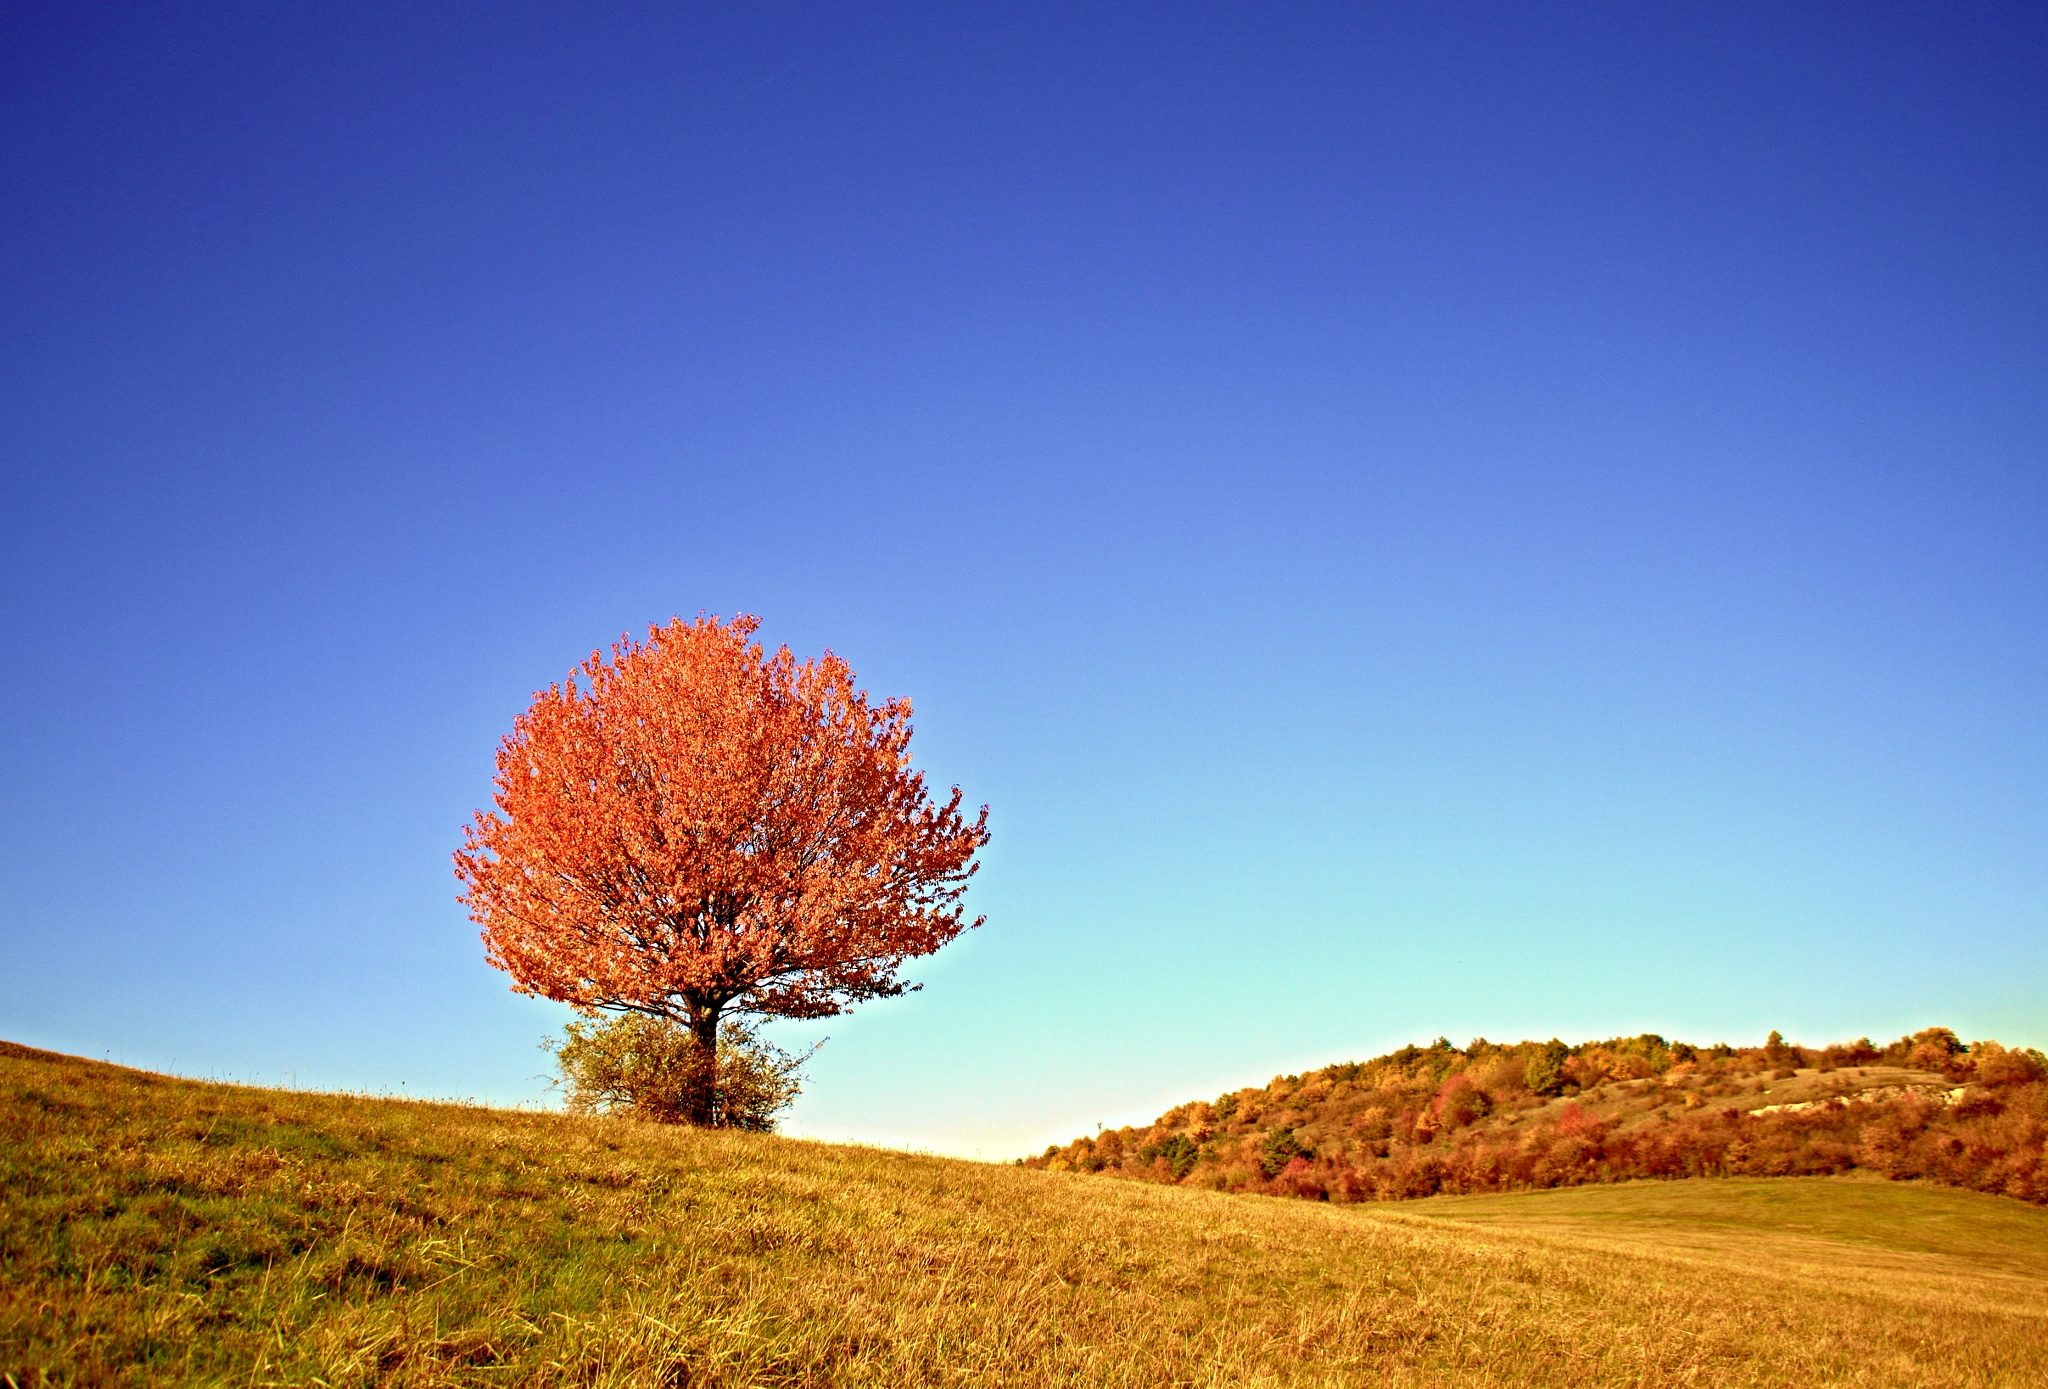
column 1532, row 1115
column 160, row 1231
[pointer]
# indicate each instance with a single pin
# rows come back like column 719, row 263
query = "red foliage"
column 697, row 827
column 1444, row 1119
column 1992, row 1064
column 1459, row 1101
column 1986, row 1145
column 1298, row 1178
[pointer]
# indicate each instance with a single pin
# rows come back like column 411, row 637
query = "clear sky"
column 1482, row 520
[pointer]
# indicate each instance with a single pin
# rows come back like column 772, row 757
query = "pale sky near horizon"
column 1475, row 520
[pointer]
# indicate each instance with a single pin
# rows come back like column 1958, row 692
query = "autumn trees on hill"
column 693, row 829
column 1494, row 1117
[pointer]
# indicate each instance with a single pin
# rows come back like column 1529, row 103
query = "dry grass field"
column 160, row 1231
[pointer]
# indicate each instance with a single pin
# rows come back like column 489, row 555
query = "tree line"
column 1515, row 1116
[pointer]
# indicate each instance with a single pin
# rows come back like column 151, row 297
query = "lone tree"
column 696, row 829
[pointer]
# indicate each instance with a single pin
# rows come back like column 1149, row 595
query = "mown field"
column 166, row 1231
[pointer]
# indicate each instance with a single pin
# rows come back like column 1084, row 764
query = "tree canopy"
column 693, row 827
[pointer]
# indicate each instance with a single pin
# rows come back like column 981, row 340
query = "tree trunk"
column 700, row 1104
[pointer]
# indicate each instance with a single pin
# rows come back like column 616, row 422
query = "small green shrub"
column 649, row 1068
column 1281, row 1148
column 1180, row 1152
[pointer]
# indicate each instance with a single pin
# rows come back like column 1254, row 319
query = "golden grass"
column 166, row 1231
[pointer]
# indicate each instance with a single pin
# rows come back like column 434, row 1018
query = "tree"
column 1281, row 1148
column 1544, row 1070
column 694, row 828
column 1777, row 1054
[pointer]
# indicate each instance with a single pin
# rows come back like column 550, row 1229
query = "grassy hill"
column 155, row 1230
column 1531, row 1115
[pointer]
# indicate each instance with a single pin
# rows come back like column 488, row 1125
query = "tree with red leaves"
column 695, row 829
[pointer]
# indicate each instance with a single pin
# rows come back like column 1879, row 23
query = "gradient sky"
column 1480, row 520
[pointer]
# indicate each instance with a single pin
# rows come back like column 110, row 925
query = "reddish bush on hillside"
column 1491, row 1117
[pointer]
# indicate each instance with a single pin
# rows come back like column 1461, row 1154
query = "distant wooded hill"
column 1502, row 1117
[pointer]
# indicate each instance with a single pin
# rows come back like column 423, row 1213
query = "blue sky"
column 1480, row 520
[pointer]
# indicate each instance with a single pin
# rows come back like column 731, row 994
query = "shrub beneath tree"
column 655, row 1069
